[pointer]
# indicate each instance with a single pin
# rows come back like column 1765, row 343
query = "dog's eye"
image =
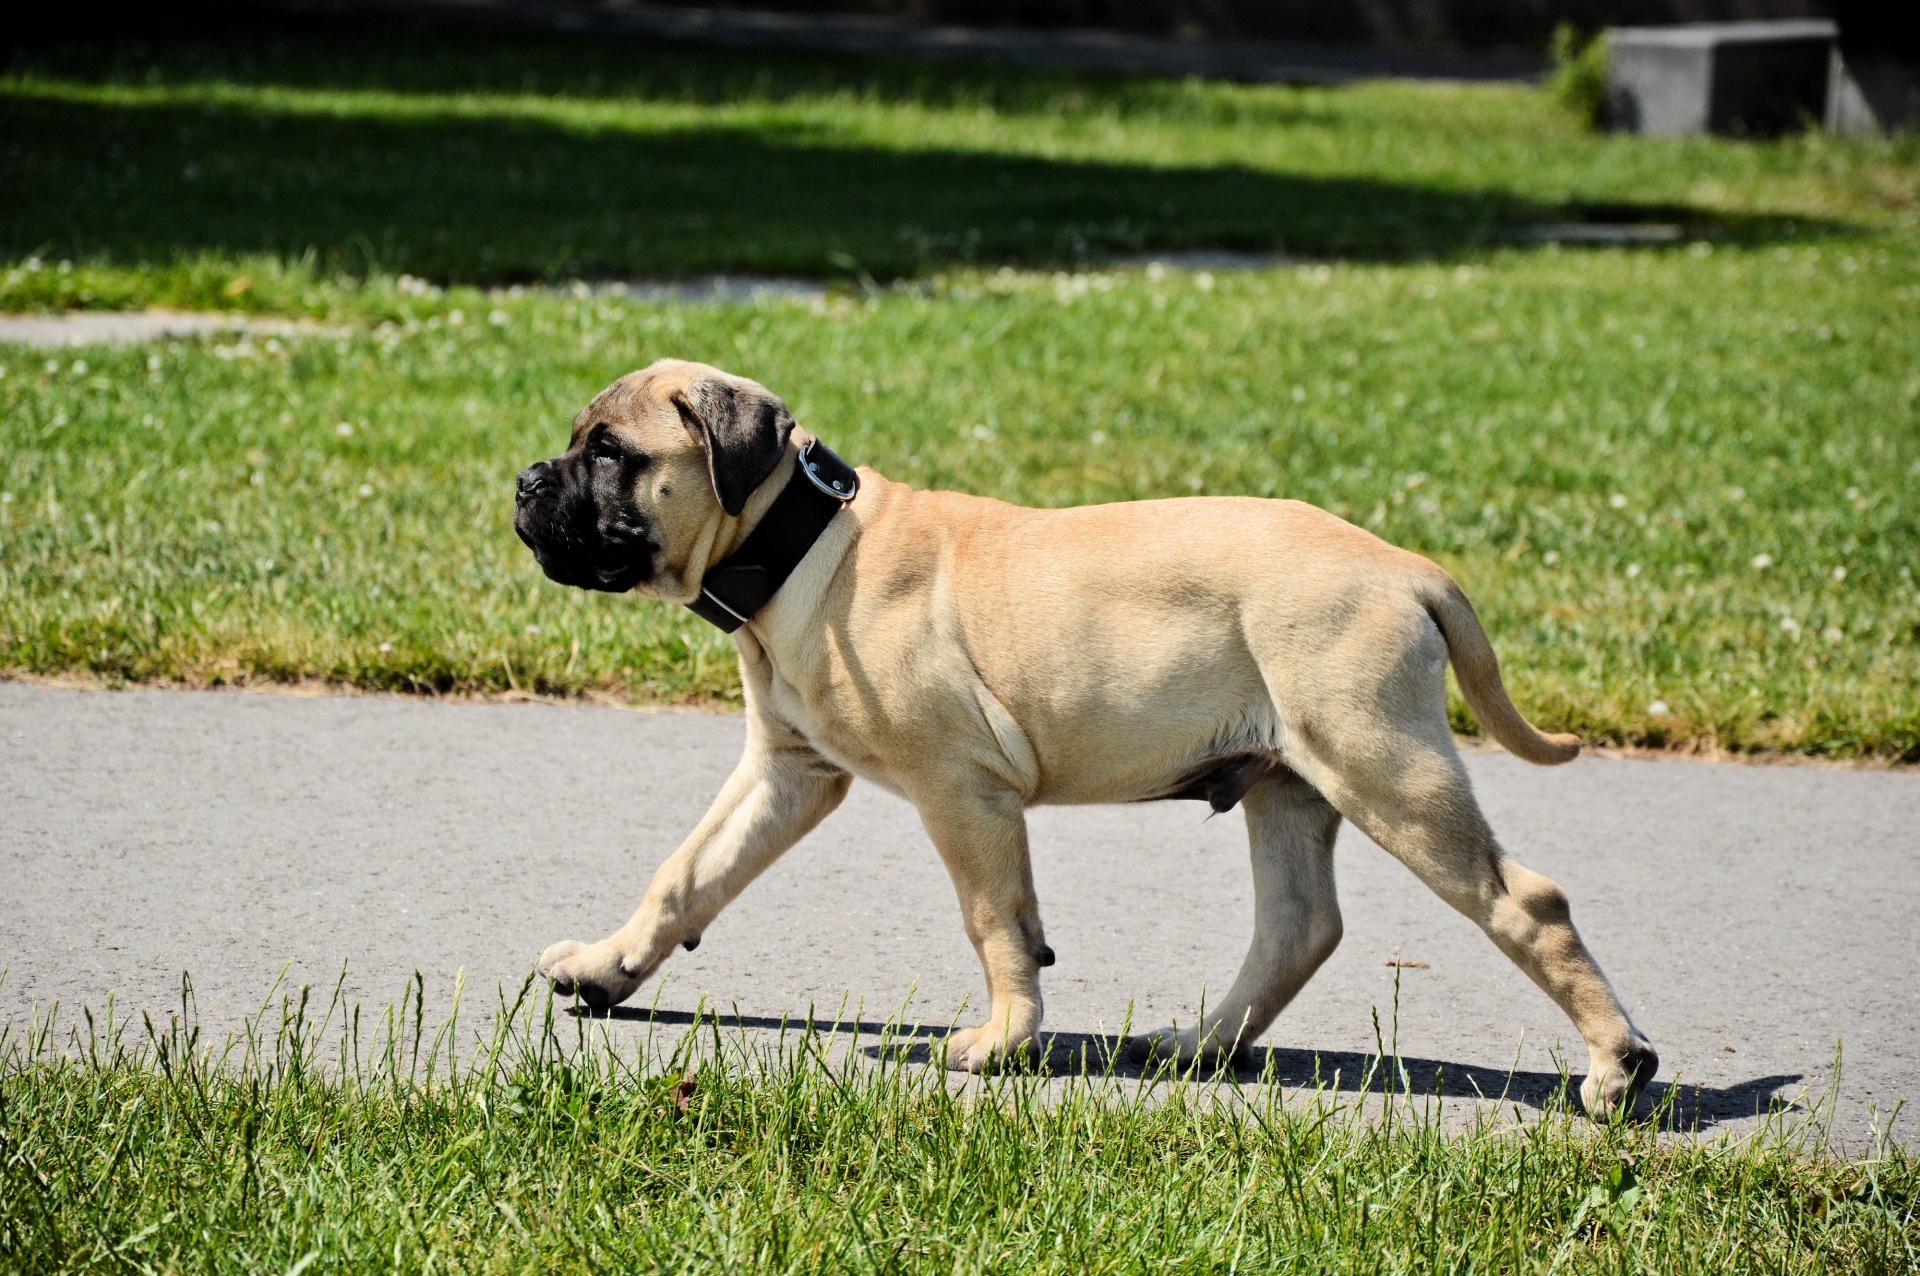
column 605, row 451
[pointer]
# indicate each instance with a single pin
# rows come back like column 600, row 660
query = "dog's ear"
column 745, row 430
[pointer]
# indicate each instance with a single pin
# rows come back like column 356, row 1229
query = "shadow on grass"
column 484, row 191
column 1340, row 1072
column 193, row 43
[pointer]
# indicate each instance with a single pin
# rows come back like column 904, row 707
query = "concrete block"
column 1742, row 78
column 1871, row 93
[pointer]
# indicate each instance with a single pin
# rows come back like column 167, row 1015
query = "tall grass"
column 322, row 1141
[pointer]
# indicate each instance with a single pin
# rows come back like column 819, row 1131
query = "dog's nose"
column 533, row 480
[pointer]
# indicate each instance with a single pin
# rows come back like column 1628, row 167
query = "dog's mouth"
column 573, row 548
column 612, row 566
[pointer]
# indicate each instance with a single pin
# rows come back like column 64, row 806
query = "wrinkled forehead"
column 628, row 402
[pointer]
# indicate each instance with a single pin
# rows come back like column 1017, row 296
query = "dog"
column 979, row 658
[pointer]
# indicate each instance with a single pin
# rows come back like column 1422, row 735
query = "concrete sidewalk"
column 1751, row 916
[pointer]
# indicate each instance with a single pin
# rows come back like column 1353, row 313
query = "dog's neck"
column 817, row 486
column 726, row 533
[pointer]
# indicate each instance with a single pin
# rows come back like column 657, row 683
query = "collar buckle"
column 828, row 472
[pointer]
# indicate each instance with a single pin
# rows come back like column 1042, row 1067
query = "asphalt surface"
column 1753, row 917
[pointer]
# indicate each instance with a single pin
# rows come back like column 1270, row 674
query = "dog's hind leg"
column 778, row 792
column 1404, row 786
column 1296, row 924
column 981, row 834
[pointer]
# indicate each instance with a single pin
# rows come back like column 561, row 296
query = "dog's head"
column 656, row 462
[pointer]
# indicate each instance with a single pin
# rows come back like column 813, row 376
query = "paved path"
column 127, row 327
column 1751, row 916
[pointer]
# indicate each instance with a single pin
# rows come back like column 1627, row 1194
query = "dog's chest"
column 840, row 741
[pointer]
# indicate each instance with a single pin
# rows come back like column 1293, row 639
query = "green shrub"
column 1579, row 79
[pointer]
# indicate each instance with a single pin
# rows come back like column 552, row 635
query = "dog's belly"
column 1221, row 782
column 1219, row 779
column 1192, row 720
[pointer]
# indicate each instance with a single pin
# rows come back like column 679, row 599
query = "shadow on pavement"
column 1680, row 1107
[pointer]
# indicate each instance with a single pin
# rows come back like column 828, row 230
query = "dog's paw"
column 1614, row 1088
column 1180, row 1048
column 593, row 972
column 984, row 1049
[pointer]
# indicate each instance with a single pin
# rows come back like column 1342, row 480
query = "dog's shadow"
column 1347, row 1073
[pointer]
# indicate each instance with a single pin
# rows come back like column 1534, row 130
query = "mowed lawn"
column 1682, row 480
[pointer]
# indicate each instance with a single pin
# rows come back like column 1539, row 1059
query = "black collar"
column 741, row 583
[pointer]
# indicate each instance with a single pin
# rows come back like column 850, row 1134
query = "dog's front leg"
column 780, row 790
column 982, row 837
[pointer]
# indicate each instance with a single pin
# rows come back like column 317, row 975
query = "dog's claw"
column 592, row 972
column 984, row 1048
column 1168, row 1045
column 1616, row 1089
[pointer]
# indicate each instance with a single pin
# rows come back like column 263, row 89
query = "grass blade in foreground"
column 349, row 1147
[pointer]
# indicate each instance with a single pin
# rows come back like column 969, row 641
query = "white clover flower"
column 344, row 429
column 366, row 489
column 1633, row 569
column 1760, row 562
column 385, row 647
column 1658, row 709
column 533, row 631
column 1789, row 626
column 1834, row 635
column 1618, row 500
column 498, row 318
column 1839, row 574
column 1551, row 557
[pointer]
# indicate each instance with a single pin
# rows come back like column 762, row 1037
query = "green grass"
column 1601, row 443
column 483, row 159
column 343, row 1146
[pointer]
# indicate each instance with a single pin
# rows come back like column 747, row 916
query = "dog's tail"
column 1478, row 670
